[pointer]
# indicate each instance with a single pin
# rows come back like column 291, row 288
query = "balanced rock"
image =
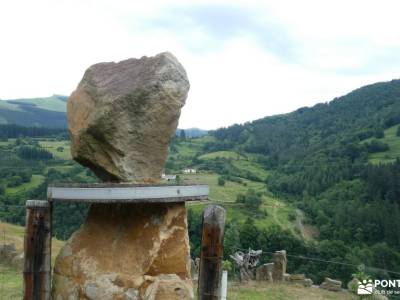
column 122, row 116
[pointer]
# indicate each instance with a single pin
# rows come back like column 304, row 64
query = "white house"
column 168, row 177
column 189, row 171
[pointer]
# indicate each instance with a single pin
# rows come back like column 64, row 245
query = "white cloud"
column 282, row 55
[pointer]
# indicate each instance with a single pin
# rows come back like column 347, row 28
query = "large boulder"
column 140, row 251
column 122, row 115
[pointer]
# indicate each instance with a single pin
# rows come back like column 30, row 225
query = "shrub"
column 240, row 198
column 252, row 200
column 376, row 146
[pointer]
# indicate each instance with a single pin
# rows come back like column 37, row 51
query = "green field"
column 53, row 146
column 5, row 143
column 277, row 211
column 393, row 142
column 15, row 234
column 25, row 187
column 10, row 283
column 10, row 277
column 192, row 147
column 222, row 154
column 240, row 161
column 252, row 167
column 9, row 106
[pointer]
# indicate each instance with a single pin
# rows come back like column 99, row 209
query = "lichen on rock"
column 127, row 252
column 122, row 115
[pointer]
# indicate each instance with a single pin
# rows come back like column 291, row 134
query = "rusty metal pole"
column 211, row 253
column 37, row 251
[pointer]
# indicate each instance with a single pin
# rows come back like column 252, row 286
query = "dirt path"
column 299, row 222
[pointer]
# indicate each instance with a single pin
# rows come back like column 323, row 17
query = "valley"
column 320, row 182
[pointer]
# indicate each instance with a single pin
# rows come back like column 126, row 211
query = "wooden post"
column 211, row 254
column 37, row 251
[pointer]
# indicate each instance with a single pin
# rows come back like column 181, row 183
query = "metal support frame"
column 126, row 193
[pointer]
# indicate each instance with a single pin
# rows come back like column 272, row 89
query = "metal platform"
column 126, row 193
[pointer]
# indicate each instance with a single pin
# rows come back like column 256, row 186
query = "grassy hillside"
column 60, row 149
column 324, row 160
column 46, row 112
column 393, row 141
column 26, row 187
column 277, row 212
column 262, row 291
column 15, row 234
column 245, row 173
column 53, row 103
column 10, row 276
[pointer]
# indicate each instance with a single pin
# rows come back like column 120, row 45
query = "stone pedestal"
column 280, row 262
column 127, row 251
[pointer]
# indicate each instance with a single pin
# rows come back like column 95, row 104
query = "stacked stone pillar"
column 121, row 118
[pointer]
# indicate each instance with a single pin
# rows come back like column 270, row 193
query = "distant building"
column 168, row 177
column 189, row 171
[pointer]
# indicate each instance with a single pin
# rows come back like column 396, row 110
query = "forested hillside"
column 337, row 162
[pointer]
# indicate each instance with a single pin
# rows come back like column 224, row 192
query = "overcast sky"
column 245, row 59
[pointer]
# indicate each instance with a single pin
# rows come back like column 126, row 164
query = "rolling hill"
column 50, row 112
column 339, row 162
column 40, row 112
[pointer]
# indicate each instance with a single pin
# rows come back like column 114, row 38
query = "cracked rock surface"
column 140, row 251
column 122, row 116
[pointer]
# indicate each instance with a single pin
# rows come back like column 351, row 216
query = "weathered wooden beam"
column 211, row 254
column 127, row 193
column 37, row 251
